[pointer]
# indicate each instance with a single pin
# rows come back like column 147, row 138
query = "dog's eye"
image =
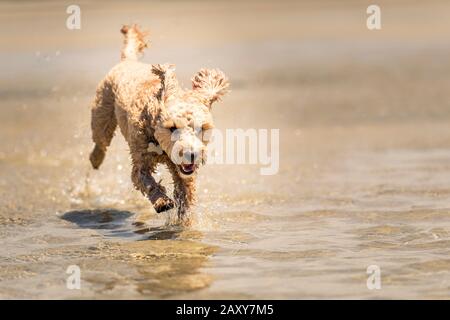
column 172, row 129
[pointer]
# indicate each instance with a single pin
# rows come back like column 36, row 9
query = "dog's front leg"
column 154, row 191
column 185, row 196
column 144, row 163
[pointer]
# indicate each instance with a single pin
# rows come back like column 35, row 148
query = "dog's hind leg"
column 103, row 122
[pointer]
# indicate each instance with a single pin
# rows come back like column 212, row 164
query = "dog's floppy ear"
column 210, row 85
column 169, row 83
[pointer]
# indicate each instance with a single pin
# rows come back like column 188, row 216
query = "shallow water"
column 363, row 178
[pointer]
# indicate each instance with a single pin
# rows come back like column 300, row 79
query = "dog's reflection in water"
column 159, row 262
column 121, row 223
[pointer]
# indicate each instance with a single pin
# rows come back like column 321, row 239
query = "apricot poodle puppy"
column 162, row 123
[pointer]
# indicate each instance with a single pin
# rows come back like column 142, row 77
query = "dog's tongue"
column 188, row 167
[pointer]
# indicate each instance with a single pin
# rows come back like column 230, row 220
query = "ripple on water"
column 284, row 255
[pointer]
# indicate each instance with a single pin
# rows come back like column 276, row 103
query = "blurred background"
column 364, row 153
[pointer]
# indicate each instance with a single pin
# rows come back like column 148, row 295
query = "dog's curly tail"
column 134, row 43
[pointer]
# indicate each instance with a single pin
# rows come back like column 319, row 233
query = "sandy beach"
column 364, row 175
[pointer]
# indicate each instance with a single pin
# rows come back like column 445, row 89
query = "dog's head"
column 184, row 121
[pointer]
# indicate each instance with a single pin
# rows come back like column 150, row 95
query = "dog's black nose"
column 191, row 156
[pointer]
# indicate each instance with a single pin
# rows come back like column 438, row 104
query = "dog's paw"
column 163, row 204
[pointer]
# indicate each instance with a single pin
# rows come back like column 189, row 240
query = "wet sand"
column 364, row 154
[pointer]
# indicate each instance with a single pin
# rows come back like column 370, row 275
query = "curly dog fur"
column 162, row 123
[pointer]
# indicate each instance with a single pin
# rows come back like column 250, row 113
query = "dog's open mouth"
column 187, row 169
